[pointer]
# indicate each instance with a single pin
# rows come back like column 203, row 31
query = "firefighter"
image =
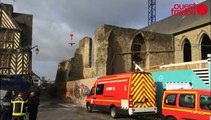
column 33, row 104
column 19, row 107
column 7, row 106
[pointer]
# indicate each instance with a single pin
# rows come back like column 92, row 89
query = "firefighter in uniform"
column 19, row 107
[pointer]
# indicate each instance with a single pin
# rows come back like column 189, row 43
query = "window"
column 92, row 92
column 4, row 60
column 6, row 36
column 100, row 88
column 170, row 99
column 6, row 39
column 205, row 102
column 187, row 51
column 187, row 100
column 205, row 46
column 138, row 49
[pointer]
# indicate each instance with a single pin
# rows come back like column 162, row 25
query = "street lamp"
column 29, row 48
column 36, row 50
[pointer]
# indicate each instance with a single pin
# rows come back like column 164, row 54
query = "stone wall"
column 159, row 49
column 119, row 56
column 85, row 49
column 61, row 77
column 195, row 37
column 102, row 36
column 113, row 53
column 76, row 90
column 80, row 67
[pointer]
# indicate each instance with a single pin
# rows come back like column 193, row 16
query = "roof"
column 6, row 11
column 176, row 24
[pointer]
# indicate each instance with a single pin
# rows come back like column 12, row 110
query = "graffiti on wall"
column 77, row 90
column 80, row 90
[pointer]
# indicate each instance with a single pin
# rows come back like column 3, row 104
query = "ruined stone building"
column 15, row 38
column 175, row 39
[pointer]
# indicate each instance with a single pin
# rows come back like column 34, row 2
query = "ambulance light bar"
column 178, row 85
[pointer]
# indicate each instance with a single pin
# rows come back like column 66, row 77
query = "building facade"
column 15, row 41
column 191, row 35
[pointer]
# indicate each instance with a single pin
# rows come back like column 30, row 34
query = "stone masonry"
column 195, row 37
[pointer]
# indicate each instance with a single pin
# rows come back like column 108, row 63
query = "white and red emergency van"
column 131, row 93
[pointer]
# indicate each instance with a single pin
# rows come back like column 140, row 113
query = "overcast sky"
column 54, row 20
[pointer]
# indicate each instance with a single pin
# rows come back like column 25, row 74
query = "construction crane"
column 151, row 11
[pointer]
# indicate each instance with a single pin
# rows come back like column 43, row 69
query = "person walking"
column 19, row 107
column 33, row 104
column 7, row 106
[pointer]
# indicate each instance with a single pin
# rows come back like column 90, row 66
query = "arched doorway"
column 187, row 51
column 205, row 46
column 138, row 50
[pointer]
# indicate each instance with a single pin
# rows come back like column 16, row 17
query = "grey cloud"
column 53, row 40
column 94, row 13
column 46, row 69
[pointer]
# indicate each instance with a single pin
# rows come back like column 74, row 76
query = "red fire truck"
column 186, row 104
column 131, row 93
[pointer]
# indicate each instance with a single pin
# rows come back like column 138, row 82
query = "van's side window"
column 100, row 89
column 205, row 102
column 187, row 100
column 170, row 99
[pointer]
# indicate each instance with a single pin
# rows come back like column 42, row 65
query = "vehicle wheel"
column 89, row 108
column 113, row 112
column 171, row 118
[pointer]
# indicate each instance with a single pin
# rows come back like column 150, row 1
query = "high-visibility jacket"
column 19, row 107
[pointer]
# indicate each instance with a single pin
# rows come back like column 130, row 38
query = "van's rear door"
column 142, row 90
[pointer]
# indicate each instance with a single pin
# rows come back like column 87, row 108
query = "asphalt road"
column 70, row 112
column 67, row 111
